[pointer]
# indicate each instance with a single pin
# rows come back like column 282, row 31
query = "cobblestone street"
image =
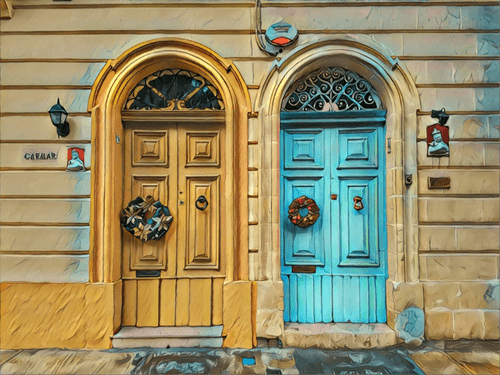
column 434, row 357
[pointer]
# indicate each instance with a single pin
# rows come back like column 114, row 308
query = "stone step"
column 339, row 335
column 164, row 337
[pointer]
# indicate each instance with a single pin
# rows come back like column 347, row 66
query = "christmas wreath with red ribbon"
column 294, row 212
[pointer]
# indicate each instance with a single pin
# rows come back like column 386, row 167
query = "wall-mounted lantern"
column 58, row 116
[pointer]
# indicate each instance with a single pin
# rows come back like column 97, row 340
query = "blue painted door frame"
column 333, row 158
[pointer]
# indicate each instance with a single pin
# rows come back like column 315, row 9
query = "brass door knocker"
column 358, row 204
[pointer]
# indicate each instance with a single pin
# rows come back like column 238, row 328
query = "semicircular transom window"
column 331, row 90
column 175, row 90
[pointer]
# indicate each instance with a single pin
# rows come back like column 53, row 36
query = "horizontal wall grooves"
column 445, row 57
column 299, row 4
column 46, row 141
column 457, row 85
column 36, row 169
column 467, row 167
column 5, row 114
column 186, row 4
column 55, row 60
column 45, row 87
column 458, row 252
column 459, row 223
column 451, row 113
column 251, row 58
column 96, row 60
column 250, row 32
column 482, row 140
column 264, row 4
column 38, row 224
column 45, row 197
column 43, row 252
column 399, row 31
column 134, row 32
column 458, row 195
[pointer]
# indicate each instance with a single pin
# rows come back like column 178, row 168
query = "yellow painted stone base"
column 239, row 315
column 72, row 316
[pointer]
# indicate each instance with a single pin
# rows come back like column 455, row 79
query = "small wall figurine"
column 76, row 159
column 438, row 137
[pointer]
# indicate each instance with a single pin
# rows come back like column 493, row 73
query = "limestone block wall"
column 54, row 50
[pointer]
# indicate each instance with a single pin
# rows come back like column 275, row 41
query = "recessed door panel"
column 150, row 255
column 203, row 246
column 202, row 149
column 202, row 186
column 304, row 246
column 150, row 148
column 358, row 149
column 358, row 224
column 305, row 149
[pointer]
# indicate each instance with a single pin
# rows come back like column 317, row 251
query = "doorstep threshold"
column 168, row 337
column 339, row 335
column 170, row 332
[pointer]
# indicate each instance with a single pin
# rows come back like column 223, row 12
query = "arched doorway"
column 400, row 99
column 176, row 146
column 334, row 265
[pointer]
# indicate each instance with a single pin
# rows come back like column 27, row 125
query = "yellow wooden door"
column 177, row 280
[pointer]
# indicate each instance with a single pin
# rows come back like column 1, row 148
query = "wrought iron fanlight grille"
column 175, row 89
column 331, row 90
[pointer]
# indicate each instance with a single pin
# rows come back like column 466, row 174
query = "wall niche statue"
column 75, row 159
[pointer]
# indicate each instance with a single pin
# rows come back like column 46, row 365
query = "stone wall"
column 55, row 50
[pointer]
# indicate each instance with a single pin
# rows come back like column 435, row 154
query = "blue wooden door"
column 334, row 270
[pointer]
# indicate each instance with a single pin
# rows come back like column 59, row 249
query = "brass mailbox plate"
column 303, row 269
column 438, row 182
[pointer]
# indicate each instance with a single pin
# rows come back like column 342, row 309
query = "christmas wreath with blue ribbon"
column 134, row 218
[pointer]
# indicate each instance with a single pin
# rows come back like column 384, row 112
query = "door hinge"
column 408, row 180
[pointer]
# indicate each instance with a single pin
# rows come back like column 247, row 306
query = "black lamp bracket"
column 441, row 115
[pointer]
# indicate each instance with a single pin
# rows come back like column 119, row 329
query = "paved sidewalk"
column 438, row 357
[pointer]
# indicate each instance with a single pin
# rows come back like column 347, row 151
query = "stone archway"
column 400, row 97
column 106, row 101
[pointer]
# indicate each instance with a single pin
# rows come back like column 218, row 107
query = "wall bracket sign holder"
column 438, row 135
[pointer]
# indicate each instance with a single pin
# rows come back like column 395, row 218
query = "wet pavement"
column 434, row 357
